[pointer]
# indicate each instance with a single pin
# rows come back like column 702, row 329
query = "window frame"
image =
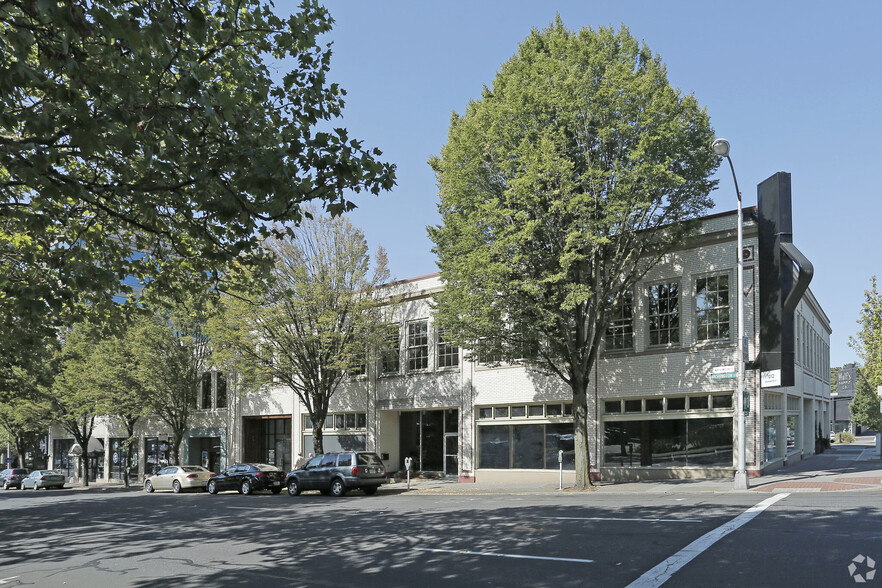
column 674, row 315
column 713, row 310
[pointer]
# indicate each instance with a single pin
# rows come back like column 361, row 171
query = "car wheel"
column 337, row 488
column 212, row 487
column 176, row 487
column 369, row 490
column 293, row 487
column 6, row 485
column 246, row 487
column 148, row 486
column 36, row 487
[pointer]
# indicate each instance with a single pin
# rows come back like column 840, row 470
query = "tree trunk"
column 176, row 447
column 580, row 434
column 317, row 440
column 84, row 466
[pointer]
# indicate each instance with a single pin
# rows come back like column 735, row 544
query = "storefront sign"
column 771, row 379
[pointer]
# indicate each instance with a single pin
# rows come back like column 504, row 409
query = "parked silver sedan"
column 43, row 479
column 177, row 478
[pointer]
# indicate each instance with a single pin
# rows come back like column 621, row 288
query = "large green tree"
column 868, row 341
column 173, row 351
column 575, row 173
column 313, row 322
column 76, row 398
column 864, row 407
column 177, row 129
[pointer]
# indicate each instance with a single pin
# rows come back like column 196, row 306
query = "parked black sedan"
column 248, row 477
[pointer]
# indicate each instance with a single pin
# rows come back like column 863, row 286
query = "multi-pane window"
column 712, row 308
column 206, row 390
column 620, row 330
column 448, row 353
column 664, row 314
column 417, row 345
column 390, row 350
column 221, row 390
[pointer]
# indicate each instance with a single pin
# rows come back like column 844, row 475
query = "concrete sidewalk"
column 849, row 467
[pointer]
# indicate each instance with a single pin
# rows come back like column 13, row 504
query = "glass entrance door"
column 431, row 439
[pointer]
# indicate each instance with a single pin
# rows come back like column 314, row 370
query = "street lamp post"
column 721, row 148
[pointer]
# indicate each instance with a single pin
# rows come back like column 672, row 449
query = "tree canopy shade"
column 864, row 407
column 571, row 177
column 159, row 127
column 313, row 322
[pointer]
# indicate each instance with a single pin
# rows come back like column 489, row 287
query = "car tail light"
column 355, row 470
column 260, row 475
column 211, row 475
column 42, row 478
column 191, row 476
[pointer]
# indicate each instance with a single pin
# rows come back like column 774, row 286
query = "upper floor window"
column 390, row 355
column 712, row 308
column 664, row 314
column 620, row 329
column 417, row 345
column 448, row 353
column 205, row 388
column 221, row 400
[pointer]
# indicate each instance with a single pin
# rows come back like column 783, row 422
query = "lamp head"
column 721, row 147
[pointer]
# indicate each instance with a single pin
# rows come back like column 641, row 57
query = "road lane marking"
column 118, row 523
column 6, row 580
column 663, row 571
column 623, row 519
column 510, row 555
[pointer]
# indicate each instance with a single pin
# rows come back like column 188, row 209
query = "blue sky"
column 794, row 86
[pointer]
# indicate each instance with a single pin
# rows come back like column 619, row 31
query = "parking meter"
column 560, row 466
column 408, row 464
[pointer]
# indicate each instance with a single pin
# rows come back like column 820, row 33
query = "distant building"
column 845, row 390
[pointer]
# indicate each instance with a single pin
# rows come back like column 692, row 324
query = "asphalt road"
column 110, row 539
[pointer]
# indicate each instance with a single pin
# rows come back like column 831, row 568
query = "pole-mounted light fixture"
column 721, row 148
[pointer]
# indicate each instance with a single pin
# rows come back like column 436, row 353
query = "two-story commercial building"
column 661, row 404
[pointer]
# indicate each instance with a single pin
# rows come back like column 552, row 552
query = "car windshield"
column 19, row 472
column 191, row 469
column 266, row 468
column 371, row 459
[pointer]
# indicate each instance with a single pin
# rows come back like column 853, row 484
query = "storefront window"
column 792, row 429
column 771, row 433
column 526, row 446
column 668, row 443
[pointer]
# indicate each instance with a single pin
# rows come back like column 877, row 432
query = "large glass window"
column 620, row 330
column 712, row 308
column 792, row 433
column 448, row 353
column 664, row 314
column 417, row 345
column 668, row 443
column 526, row 446
column 770, row 432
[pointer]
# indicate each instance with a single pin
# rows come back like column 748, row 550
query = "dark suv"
column 336, row 473
column 12, row 477
column 246, row 478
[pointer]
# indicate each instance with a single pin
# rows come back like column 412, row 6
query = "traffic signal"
column 779, row 290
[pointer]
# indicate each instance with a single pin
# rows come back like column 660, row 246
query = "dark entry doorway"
column 431, row 439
